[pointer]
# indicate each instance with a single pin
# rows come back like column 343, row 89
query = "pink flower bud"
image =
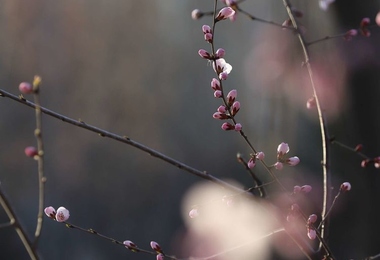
column 310, row 103
column 220, row 53
column 377, row 19
column 238, row 127
column 208, row 37
column 31, row 151
column 218, row 115
column 206, row 29
column 349, row 34
column 295, row 207
column 364, row 27
column 231, row 96
column 193, row 213
column 346, row 186
column 222, row 109
column 231, row 3
column 62, row 214
column 218, row 94
column 293, row 161
column 225, row 13
column 223, row 75
column 306, row 188
column 50, row 212
column 155, row 246
column 312, row 219
column 25, row 88
column 220, row 65
column 160, row 257
column 251, row 163
column 278, row 166
column 296, row 189
column 235, row 107
column 215, row 85
column 260, row 155
column 196, row 14
column 365, row 163
column 311, row 233
column 130, row 245
column 227, row 126
column 282, row 149
column 204, row 54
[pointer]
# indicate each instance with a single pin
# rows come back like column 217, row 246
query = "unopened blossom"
column 293, row 161
column 260, row 155
column 130, row 245
column 25, row 88
column 349, row 34
column 50, row 212
column 358, row 148
column 282, row 149
column 227, row 126
column 364, row 27
column 312, row 218
column 206, row 29
column 220, row 65
column 377, row 19
column 218, row 94
column 278, row 166
column 365, row 163
column 222, row 109
column 235, row 108
column 215, row 85
column 311, row 103
column 193, row 213
column 296, row 189
column 224, row 13
column 218, row 115
column 311, row 233
column 204, row 54
column 155, row 246
column 62, row 214
column 238, row 127
column 306, row 188
column 31, row 151
column 223, row 75
column 251, row 163
column 160, row 257
column 208, row 37
column 346, row 186
column 231, row 96
column 220, row 53
column 196, row 14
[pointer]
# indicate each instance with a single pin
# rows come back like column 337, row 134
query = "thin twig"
column 17, row 226
column 324, row 133
column 126, row 140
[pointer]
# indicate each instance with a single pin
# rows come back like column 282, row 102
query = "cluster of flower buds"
column 61, row 215
column 304, row 189
column 282, row 150
column 252, row 161
column 375, row 161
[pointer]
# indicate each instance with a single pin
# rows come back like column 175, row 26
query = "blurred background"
column 132, row 68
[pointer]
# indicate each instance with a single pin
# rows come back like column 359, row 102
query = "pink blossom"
column 306, row 188
column 223, row 75
column 220, row 65
column 31, row 151
column 346, row 186
column 224, row 13
column 208, row 37
column 218, row 94
column 193, row 213
column 377, row 19
column 227, row 126
column 235, row 108
column 196, row 14
column 282, row 149
column 25, row 88
column 218, row 115
column 311, row 233
column 311, row 103
column 278, row 165
column 312, row 219
column 260, row 155
column 238, row 127
column 293, row 161
column 296, row 189
column 206, row 29
column 160, row 257
column 204, row 54
column 364, row 27
column 155, row 246
column 324, row 4
column 251, row 163
column 220, row 53
column 231, row 96
column 130, row 245
column 50, row 212
column 215, row 85
column 62, row 214
column 349, row 34
column 222, row 109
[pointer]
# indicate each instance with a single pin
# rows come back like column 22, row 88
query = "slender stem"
column 328, row 212
column 324, row 134
column 41, row 177
column 258, row 182
column 16, row 224
column 326, row 38
column 260, row 19
column 126, row 140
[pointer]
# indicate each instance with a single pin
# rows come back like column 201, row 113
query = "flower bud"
column 235, row 108
column 311, row 233
column 208, row 37
column 204, row 54
column 218, row 94
column 312, row 219
column 349, row 34
column 238, row 127
column 251, row 163
column 206, row 29
column 196, row 14
column 260, row 155
column 293, row 161
column 227, row 126
column 224, row 13
column 231, row 96
column 358, row 148
column 296, row 189
column 306, row 188
column 278, row 166
column 155, row 246
column 346, row 186
column 377, row 19
column 160, row 257
column 282, row 149
column 25, row 88
column 310, row 103
column 220, row 53
column 50, row 212
column 130, row 245
column 31, row 151
column 221, row 116
column 62, row 214
column 222, row 109
column 215, row 85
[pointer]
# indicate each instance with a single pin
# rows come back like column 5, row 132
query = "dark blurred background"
column 131, row 67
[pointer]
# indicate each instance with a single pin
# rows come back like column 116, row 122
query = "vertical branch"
column 40, row 160
column 322, row 123
column 17, row 226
